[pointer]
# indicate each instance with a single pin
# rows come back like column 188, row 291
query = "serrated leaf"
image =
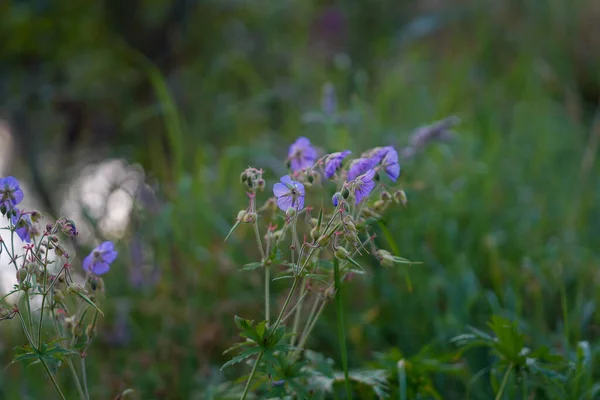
column 252, row 266
column 241, row 357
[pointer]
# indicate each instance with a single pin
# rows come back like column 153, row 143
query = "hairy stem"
column 339, row 304
column 251, row 376
column 60, row 393
column 504, row 381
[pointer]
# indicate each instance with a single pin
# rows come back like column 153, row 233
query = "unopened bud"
column 36, row 216
column 244, row 177
column 278, row 235
column 59, row 250
column 345, row 193
column 241, row 214
column 386, row 196
column 385, row 257
column 311, row 178
column 96, row 283
column 32, row 268
column 74, row 288
column 249, row 218
column 21, row 275
column 290, row 212
column 323, row 241
column 314, row 222
column 400, row 197
column 380, row 206
column 261, row 184
column 69, row 322
column 315, row 233
column 59, row 297
column 90, row 331
column 53, row 239
column 342, row 253
column 377, row 177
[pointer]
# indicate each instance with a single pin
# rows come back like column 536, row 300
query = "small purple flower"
column 336, row 198
column 359, row 167
column 99, row 260
column 390, row 164
column 289, row 193
column 301, row 154
column 334, row 161
column 363, row 185
column 23, row 225
column 10, row 192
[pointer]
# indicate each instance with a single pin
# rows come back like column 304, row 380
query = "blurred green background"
column 136, row 118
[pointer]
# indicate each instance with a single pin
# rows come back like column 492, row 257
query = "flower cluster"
column 37, row 277
column 298, row 244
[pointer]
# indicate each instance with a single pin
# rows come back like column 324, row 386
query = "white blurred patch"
column 103, row 192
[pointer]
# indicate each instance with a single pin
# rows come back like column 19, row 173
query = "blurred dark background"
column 136, row 117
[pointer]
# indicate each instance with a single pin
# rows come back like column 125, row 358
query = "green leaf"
column 252, row 266
column 242, row 356
column 283, row 277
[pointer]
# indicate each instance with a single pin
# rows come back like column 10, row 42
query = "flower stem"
column 504, row 381
column 60, row 393
column 251, row 376
column 339, row 304
column 76, row 379
column 307, row 331
column 84, row 378
column 298, row 312
column 267, row 294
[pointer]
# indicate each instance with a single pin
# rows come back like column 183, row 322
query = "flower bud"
column 377, row 177
column 241, row 214
column 90, row 331
column 96, row 283
column 59, row 250
column 330, row 292
column 345, row 193
column 261, row 184
column 53, row 239
column 314, row 222
column 74, row 288
column 69, row 323
column 324, row 240
column 311, row 179
column 278, row 235
column 380, row 206
column 336, row 198
column 315, row 233
column 21, row 275
column 341, row 253
column 400, row 197
column 249, row 218
column 3, row 209
column 36, row 216
column 290, row 212
column 385, row 257
column 386, row 196
column 243, row 177
column 59, row 297
column 32, row 268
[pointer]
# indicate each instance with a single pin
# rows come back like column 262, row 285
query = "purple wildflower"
column 390, row 164
column 10, row 192
column 363, row 185
column 23, row 225
column 301, row 154
column 99, row 260
column 334, row 161
column 359, row 167
column 289, row 193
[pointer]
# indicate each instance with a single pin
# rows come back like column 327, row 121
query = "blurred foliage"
column 504, row 217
